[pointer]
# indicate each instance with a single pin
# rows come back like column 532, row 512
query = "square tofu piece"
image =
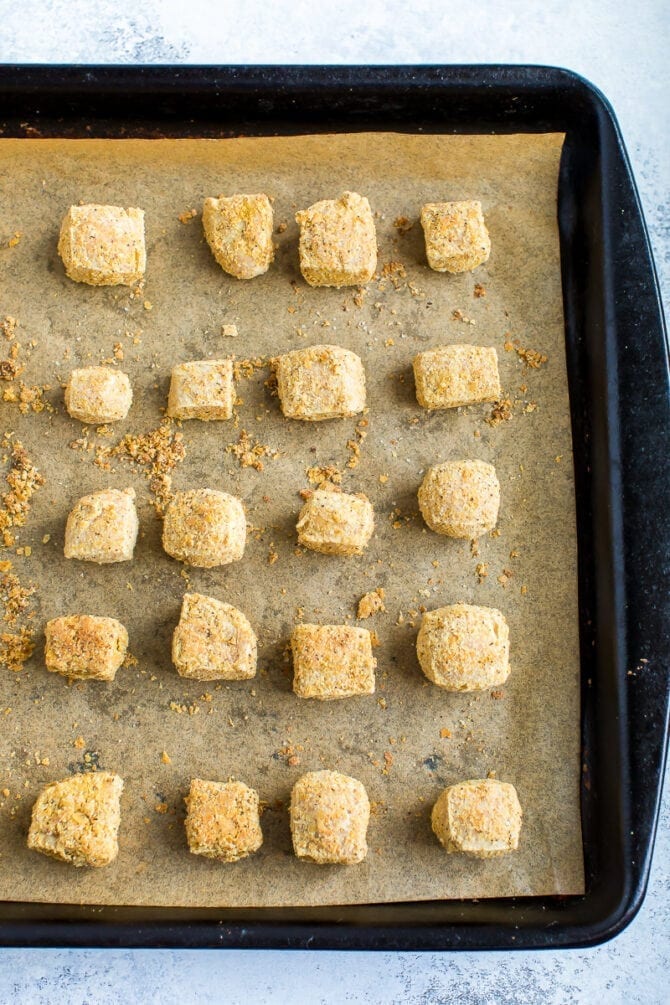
column 336, row 523
column 332, row 661
column 481, row 817
column 320, row 382
column 103, row 245
column 238, row 230
column 97, row 394
column 338, row 243
column 329, row 814
column 456, row 236
column 454, row 375
column 460, row 498
column 84, row 647
column 102, row 527
column 222, row 820
column 202, row 389
column 213, row 641
column 464, row 648
column 77, row 819
column 205, row 528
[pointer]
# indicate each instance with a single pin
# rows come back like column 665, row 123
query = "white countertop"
column 623, row 49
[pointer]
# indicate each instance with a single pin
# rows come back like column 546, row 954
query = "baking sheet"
column 411, row 738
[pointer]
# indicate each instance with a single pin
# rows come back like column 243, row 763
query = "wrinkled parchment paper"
column 411, row 738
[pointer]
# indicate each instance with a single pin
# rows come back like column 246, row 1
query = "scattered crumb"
column 403, row 224
column 531, row 357
column 158, row 452
column 479, row 291
column 187, row 215
column 249, row 452
column 482, row 571
column 321, row 476
column 229, row 331
column 371, row 603
column 501, row 412
column 165, row 758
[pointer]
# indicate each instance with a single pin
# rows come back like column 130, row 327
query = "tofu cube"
column 222, row 820
column 464, row 648
column 205, row 528
column 202, row 389
column 481, row 817
column 336, row 523
column 97, row 394
column 102, row 527
column 85, row 647
column 213, row 641
column 460, row 498
column 238, row 229
column 77, row 819
column 329, row 816
column 332, row 661
column 454, row 375
column 338, row 243
column 103, row 245
column 320, row 382
column 456, row 236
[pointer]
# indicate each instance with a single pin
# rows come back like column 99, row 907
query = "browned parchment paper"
column 410, row 739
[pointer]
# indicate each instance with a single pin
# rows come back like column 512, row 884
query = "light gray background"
column 623, row 48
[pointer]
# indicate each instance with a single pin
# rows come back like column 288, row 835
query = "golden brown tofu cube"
column 102, row 527
column 464, row 648
column 222, row 820
column 460, row 498
column 213, row 641
column 85, row 647
column 97, row 394
column 480, row 817
column 205, row 528
column 456, row 236
column 454, row 375
column 238, row 229
column 320, row 382
column 103, row 245
column 202, row 389
column 336, row 523
column 338, row 243
column 329, row 818
column 332, row 661
column 77, row 819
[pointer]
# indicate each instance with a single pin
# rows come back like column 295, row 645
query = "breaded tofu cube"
column 102, row 527
column 453, row 375
column 480, row 817
column 77, row 819
column 103, row 245
column 320, row 382
column 464, row 648
column 336, row 523
column 460, row 498
column 329, row 818
column 85, row 647
column 97, row 394
column 222, row 820
column 238, row 229
column 332, row 661
column 202, row 389
column 213, row 641
column 456, row 236
column 338, row 243
column 205, row 528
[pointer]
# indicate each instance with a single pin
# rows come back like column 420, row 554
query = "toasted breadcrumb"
column 371, row 603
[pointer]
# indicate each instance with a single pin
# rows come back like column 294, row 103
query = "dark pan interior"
column 618, row 372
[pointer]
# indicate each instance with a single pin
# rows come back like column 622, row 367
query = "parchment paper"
column 411, row 738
